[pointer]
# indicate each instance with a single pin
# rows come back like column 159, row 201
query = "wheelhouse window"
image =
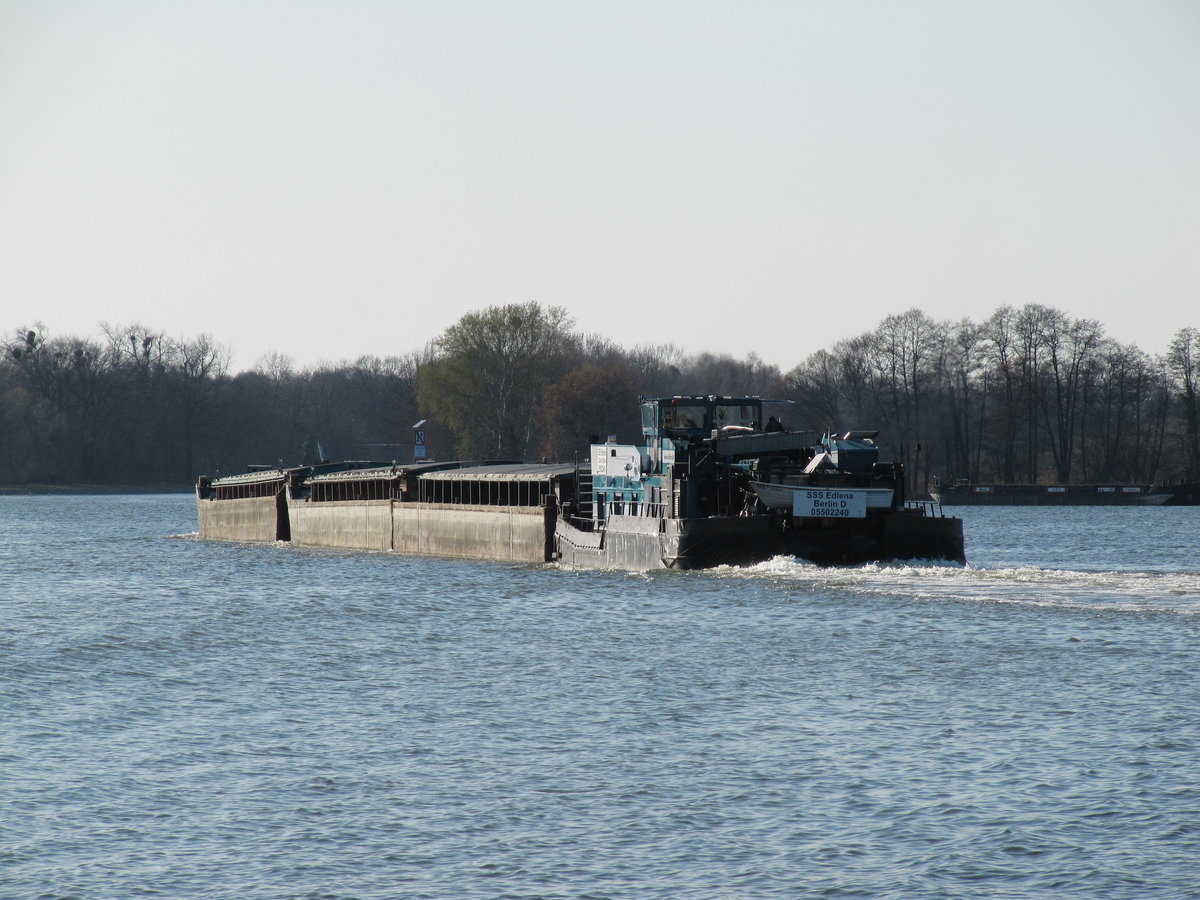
column 649, row 418
column 741, row 415
column 684, row 416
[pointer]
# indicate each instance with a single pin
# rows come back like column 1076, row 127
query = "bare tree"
column 1183, row 361
column 659, row 368
column 815, row 387
column 905, row 354
column 198, row 369
column 1124, row 416
column 73, row 376
column 1070, row 348
column 710, row 373
column 966, row 396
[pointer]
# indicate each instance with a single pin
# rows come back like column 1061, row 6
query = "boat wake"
column 1175, row 592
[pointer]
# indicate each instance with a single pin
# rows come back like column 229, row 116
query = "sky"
column 324, row 180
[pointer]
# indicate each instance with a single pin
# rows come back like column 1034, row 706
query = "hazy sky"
column 330, row 179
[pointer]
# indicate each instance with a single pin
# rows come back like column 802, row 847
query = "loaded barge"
column 708, row 487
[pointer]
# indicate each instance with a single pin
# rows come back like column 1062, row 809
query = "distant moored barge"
column 964, row 493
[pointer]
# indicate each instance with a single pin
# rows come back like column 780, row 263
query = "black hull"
column 633, row 543
column 1184, row 494
column 898, row 536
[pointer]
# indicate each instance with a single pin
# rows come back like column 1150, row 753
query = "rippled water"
column 188, row 719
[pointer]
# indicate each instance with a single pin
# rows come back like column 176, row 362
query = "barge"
column 707, row 487
column 965, row 493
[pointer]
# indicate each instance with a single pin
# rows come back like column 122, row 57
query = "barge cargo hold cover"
column 707, row 487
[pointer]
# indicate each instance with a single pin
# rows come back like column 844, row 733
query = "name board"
column 816, row 503
column 419, row 445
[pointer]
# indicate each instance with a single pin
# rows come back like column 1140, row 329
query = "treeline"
column 1027, row 395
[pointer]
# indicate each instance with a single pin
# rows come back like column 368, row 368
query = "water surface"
column 205, row 720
